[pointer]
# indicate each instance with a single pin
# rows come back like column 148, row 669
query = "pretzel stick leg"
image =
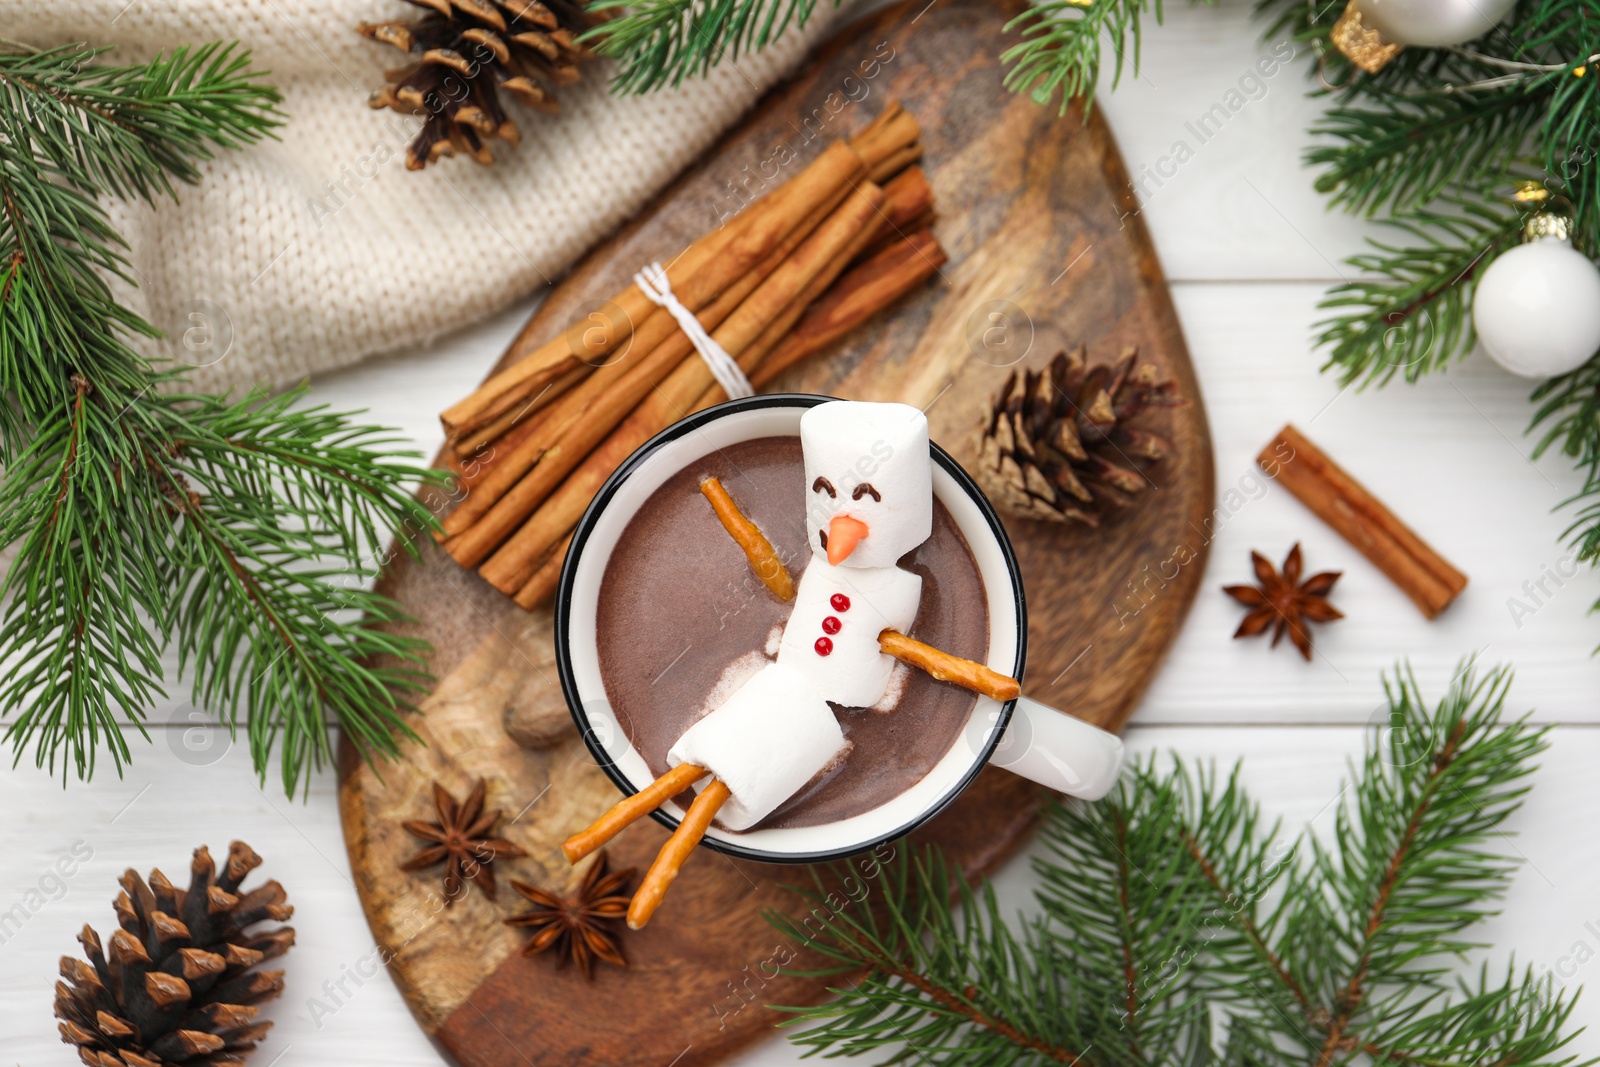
column 629, row 810
column 763, row 557
column 947, row 668
column 670, row 860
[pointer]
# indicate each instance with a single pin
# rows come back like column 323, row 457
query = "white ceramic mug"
column 1024, row 736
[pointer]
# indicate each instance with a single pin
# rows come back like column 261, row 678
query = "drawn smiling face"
column 869, row 481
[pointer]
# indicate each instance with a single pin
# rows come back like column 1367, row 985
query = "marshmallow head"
column 869, row 481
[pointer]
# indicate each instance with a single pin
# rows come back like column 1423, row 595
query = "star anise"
column 582, row 929
column 1284, row 602
column 462, row 841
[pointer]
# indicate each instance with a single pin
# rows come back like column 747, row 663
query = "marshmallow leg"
column 670, row 860
column 764, row 743
column 630, row 810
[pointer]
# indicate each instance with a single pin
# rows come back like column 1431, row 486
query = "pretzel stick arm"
column 630, row 810
column 947, row 668
column 670, row 860
column 763, row 557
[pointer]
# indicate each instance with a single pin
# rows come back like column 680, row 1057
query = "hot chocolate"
column 682, row 622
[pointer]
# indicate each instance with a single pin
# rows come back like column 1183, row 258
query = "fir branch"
column 1408, row 870
column 242, row 533
column 1403, row 152
column 1062, row 43
column 659, row 43
column 1128, row 911
column 1456, row 125
column 1571, row 140
column 72, row 131
column 205, row 530
column 954, row 984
column 1569, row 410
column 129, row 130
column 1172, row 905
column 1411, row 312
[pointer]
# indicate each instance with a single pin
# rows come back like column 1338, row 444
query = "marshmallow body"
column 870, row 462
column 765, row 742
column 853, row 672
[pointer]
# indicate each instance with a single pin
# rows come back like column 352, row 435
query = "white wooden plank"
column 165, row 806
column 1228, row 197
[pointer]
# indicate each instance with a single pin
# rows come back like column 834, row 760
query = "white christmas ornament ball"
column 1432, row 23
column 1537, row 309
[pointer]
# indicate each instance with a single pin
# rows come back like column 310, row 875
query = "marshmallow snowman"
column 869, row 485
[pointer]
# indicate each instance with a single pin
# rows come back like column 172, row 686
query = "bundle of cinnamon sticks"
column 795, row 271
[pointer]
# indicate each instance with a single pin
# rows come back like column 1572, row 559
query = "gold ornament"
column 1551, row 213
column 1362, row 46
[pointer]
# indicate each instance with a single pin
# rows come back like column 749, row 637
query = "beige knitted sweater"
column 319, row 249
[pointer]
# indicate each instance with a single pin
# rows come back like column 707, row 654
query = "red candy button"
column 830, row 625
column 824, row 646
column 840, row 602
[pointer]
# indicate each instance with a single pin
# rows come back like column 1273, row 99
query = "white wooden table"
column 1249, row 248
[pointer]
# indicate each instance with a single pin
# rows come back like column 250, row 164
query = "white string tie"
column 653, row 283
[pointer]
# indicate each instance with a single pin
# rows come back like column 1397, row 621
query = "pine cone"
column 468, row 52
column 1060, row 447
column 178, row 985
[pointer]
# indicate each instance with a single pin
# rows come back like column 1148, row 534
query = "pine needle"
column 659, row 43
column 242, row 533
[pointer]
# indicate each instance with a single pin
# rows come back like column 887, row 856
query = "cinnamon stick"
column 697, row 276
column 530, row 471
column 910, row 209
column 779, row 327
column 860, row 294
column 857, row 296
column 968, row 674
column 513, row 565
column 475, row 466
column 889, row 143
column 519, row 416
column 521, row 454
column 542, row 586
column 882, row 149
column 577, row 347
column 894, row 162
column 579, row 419
column 907, row 197
column 1361, row 518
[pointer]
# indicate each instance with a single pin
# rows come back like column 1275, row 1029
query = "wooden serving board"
column 1045, row 249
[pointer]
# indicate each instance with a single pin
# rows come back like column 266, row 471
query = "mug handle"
column 1059, row 752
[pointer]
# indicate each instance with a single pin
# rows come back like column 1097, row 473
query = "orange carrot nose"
column 844, row 533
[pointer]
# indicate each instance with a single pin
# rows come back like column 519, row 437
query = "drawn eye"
column 822, row 485
column 863, row 489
